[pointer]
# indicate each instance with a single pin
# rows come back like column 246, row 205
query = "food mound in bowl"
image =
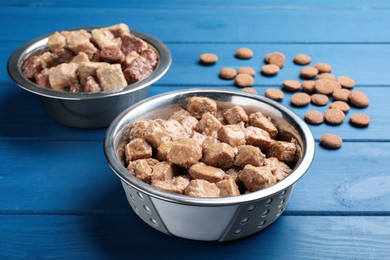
column 107, row 58
column 206, row 150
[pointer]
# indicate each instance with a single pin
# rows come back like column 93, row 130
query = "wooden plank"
column 117, row 237
column 73, row 177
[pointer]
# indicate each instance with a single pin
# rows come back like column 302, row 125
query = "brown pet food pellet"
column 309, row 72
column 274, row 93
column 244, row 80
column 250, row 90
column 247, row 70
column 341, row 94
column 324, row 86
column 268, row 56
column 314, row 117
column 302, row 59
column 346, row 82
column 270, row 70
column 308, row 86
column 334, row 116
column 278, row 59
column 323, row 68
column 300, row 99
column 331, row 141
column 208, row 58
column 340, row 105
column 227, row 73
column 244, row 53
column 359, row 120
column 319, row 99
column 358, row 99
column 291, row 85
column 329, row 76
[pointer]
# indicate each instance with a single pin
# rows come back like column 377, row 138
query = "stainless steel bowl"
column 209, row 219
column 86, row 110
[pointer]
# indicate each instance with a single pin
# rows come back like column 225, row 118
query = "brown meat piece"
column 205, row 172
column 48, row 59
column 257, row 137
column 151, row 56
column 185, row 119
column 235, row 115
column 185, row 153
column 42, row 78
column 142, row 169
column 62, row 75
column 118, row 30
column 199, row 138
column 56, row 41
column 79, row 41
column 228, row 188
column 208, row 141
column 279, row 169
column 75, row 87
column 283, row 151
column 201, row 188
column 163, row 171
column 138, row 129
column 81, row 57
column 156, row 133
column 233, row 173
column 176, row 185
column 137, row 149
column 197, row 106
column 32, row 65
column 248, row 154
column 87, row 69
column 175, row 130
column 137, row 70
column 91, row 85
column 163, row 150
column 232, row 135
column 111, row 54
column 220, row 155
column 104, row 38
column 256, row 178
column 129, row 58
column 63, row 55
column 208, row 125
column 257, row 119
column 133, row 43
column 111, row 77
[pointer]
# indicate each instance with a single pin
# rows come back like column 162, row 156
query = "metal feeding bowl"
column 86, row 110
column 209, row 219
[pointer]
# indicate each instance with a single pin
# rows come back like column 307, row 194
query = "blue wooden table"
column 59, row 199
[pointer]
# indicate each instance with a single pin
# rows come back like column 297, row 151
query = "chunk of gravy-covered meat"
column 235, row 115
column 111, row 77
column 138, row 69
column 257, row 119
column 62, row 75
column 201, row 188
column 283, row 151
column 232, row 135
column 197, row 106
column 138, row 149
column 175, row 130
column 185, row 119
column 163, row 171
column 208, row 125
column 176, row 184
column 257, row 137
column 248, row 154
column 279, row 169
column 228, row 188
column 256, row 178
column 142, row 169
column 219, row 155
column 185, row 153
column 156, row 133
column 138, row 129
column 32, row 65
column 42, row 78
column 205, row 172
column 79, row 41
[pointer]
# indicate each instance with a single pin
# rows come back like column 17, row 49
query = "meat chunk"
column 205, row 172
column 79, row 41
column 138, row 149
column 186, row 120
column 129, row 58
column 176, row 184
column 197, row 106
column 48, row 59
column 201, row 188
column 81, row 57
column 208, row 141
column 199, row 138
column 163, row 150
column 138, row 69
column 163, row 171
column 62, row 75
column 228, row 188
column 75, row 87
column 63, row 55
column 87, row 69
column 235, row 115
column 232, row 135
column 248, row 154
column 232, row 173
column 256, row 178
column 138, row 129
column 185, row 153
column 156, row 133
column 56, row 41
column 111, row 77
column 151, row 56
column 42, row 78
column 220, row 155
column 279, row 169
column 111, row 54
column 91, row 85
column 104, row 38
column 118, row 30
column 283, row 151
column 32, row 65
column 257, row 119
column 142, row 169
column 208, row 125
column 133, row 43
column 257, row 137
column 175, row 130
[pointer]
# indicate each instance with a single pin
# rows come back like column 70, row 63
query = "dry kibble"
column 319, row 99
column 208, row 58
column 300, row 99
column 291, row 85
column 270, row 70
column 341, row 94
column 340, row 105
column 358, row 99
column 314, row 117
column 346, row 82
column 359, row 120
column 302, row 59
column 244, row 80
column 309, row 72
column 227, row 73
column 308, row 86
column 274, row 93
column 323, row 68
column 247, row 70
column 276, row 58
column 331, row 141
column 324, row 86
column 329, row 76
column 250, row 90
column 244, row 53
column 334, row 116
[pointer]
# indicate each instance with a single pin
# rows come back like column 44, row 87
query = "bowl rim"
column 119, row 122
column 14, row 68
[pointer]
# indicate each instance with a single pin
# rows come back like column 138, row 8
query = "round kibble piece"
column 274, row 93
column 324, row 86
column 277, row 59
column 323, row 68
column 314, row 117
column 244, row 80
column 300, row 99
column 359, row 120
column 319, row 99
column 246, row 70
column 270, row 69
column 340, row 105
column 268, row 56
column 358, row 99
column 208, row 58
column 291, row 85
column 250, row 90
column 227, row 73
column 302, row 59
column 334, row 116
column 308, row 86
column 329, row 76
column 244, row 53
column 309, row 72
column 346, row 82
column 341, row 94
column 331, row 141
